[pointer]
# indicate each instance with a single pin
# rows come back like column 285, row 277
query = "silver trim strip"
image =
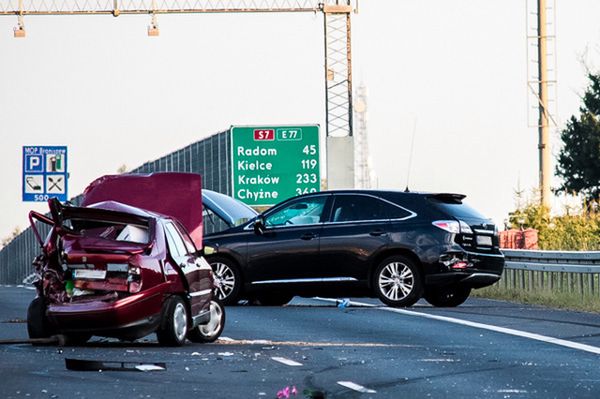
column 486, row 232
column 306, row 280
column 200, row 293
column 328, row 223
column 474, row 275
column 482, row 254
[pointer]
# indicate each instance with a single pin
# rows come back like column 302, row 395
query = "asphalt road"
column 482, row 349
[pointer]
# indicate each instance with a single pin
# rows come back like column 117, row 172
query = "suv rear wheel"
column 448, row 297
column 397, row 282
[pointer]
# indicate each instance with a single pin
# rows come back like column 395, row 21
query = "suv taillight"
column 453, row 226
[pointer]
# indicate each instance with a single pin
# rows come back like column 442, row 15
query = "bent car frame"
column 114, row 270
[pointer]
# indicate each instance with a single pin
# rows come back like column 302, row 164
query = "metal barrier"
column 555, row 271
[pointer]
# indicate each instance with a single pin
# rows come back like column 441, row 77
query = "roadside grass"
column 552, row 299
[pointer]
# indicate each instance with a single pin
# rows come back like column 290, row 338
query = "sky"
column 456, row 70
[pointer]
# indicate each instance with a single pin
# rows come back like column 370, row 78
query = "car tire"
column 273, row 299
column 38, row 325
column 227, row 278
column 397, row 282
column 174, row 322
column 212, row 330
column 447, row 297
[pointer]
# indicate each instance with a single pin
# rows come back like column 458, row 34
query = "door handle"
column 308, row 236
column 377, row 233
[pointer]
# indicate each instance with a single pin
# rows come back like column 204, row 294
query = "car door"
column 357, row 229
column 287, row 250
column 183, row 251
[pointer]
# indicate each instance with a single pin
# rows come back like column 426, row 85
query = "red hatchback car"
column 114, row 270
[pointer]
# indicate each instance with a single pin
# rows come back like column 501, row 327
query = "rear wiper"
column 448, row 198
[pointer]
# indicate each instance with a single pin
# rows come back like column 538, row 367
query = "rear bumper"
column 484, row 270
column 131, row 317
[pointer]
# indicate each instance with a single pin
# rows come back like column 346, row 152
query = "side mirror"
column 259, row 225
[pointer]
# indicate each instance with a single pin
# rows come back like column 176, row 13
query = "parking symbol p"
column 33, row 163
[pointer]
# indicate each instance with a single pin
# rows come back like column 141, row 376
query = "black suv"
column 397, row 246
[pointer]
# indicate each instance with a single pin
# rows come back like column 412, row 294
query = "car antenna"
column 412, row 146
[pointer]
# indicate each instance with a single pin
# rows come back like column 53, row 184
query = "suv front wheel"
column 228, row 279
column 397, row 282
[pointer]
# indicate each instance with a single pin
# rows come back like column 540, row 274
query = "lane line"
column 287, row 362
column 489, row 327
column 356, row 387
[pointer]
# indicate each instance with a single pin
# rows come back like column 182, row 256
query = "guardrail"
column 563, row 271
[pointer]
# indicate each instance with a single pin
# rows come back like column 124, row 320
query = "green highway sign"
column 273, row 163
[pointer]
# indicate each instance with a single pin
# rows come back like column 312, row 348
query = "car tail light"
column 460, row 265
column 455, row 261
column 453, row 226
column 134, row 279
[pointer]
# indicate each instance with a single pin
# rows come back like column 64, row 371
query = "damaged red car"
column 114, row 270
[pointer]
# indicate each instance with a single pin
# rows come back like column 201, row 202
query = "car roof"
column 387, row 191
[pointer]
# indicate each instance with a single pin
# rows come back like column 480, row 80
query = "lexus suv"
column 396, row 246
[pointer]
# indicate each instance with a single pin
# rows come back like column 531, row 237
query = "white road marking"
column 489, row 327
column 356, row 387
column 287, row 362
column 511, row 391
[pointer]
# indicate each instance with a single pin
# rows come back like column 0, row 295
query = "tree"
column 579, row 159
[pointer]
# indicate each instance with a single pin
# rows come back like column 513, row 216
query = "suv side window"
column 349, row 208
column 301, row 212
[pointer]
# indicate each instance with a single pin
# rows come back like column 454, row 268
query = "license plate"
column 91, row 274
column 484, row 240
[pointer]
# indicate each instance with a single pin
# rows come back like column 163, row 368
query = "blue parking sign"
column 44, row 173
column 33, row 163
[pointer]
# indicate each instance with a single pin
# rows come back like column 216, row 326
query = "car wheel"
column 37, row 322
column 448, row 297
column 397, row 282
column 212, row 330
column 227, row 279
column 274, row 299
column 174, row 324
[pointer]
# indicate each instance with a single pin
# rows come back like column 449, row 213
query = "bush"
column 575, row 230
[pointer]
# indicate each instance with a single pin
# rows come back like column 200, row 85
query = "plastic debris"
column 95, row 365
column 287, row 392
column 344, row 303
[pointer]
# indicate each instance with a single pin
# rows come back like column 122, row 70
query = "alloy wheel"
column 214, row 325
column 396, row 281
column 224, row 279
column 180, row 321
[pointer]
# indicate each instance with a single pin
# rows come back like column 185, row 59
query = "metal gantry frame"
column 541, row 82
column 337, row 34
